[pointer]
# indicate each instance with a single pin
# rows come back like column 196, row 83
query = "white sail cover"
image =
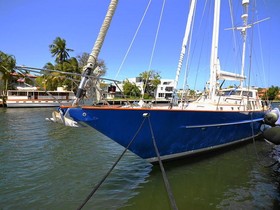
column 225, row 75
column 230, row 76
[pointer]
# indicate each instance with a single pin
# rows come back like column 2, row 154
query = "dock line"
column 164, row 176
column 96, row 187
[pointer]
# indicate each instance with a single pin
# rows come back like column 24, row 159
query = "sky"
column 28, row 27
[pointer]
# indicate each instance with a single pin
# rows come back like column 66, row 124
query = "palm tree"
column 151, row 80
column 58, row 49
column 7, row 65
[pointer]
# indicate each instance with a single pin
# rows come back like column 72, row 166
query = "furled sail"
column 91, row 68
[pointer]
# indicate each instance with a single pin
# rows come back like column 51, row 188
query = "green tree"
column 7, row 65
column 59, row 51
column 151, row 80
column 71, row 66
column 64, row 63
column 131, row 90
column 83, row 59
column 272, row 92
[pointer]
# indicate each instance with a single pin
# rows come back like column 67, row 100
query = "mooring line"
column 96, row 187
column 164, row 176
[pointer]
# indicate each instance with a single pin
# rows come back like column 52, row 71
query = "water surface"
column 49, row 166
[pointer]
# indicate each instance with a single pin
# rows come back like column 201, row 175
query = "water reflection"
column 230, row 180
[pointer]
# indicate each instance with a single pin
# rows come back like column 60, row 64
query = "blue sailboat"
column 220, row 117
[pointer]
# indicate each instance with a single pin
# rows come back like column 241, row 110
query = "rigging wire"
column 233, row 26
column 96, row 187
column 249, row 80
column 35, row 70
column 154, row 46
column 45, row 71
column 202, row 43
column 251, row 50
column 261, row 55
column 37, row 84
column 156, row 37
column 132, row 41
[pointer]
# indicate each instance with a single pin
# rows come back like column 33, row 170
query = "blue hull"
column 176, row 132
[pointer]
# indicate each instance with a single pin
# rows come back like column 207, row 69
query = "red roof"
column 26, row 75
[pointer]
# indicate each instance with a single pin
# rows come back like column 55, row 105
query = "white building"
column 118, row 90
column 165, row 89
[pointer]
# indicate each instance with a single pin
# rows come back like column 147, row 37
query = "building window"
column 168, row 95
column 169, row 89
column 166, row 83
column 22, row 93
column 161, row 95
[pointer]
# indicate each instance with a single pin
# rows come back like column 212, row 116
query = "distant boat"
column 220, row 117
column 32, row 97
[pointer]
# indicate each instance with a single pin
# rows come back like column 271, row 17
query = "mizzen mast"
column 215, row 70
column 244, row 17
